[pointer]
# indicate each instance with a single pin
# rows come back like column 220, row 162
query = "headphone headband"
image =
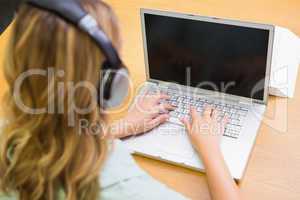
column 72, row 11
column 89, row 25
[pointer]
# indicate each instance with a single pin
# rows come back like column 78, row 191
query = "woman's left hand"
column 148, row 112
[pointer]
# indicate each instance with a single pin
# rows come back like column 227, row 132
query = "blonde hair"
column 40, row 153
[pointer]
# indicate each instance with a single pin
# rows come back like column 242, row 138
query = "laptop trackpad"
column 169, row 141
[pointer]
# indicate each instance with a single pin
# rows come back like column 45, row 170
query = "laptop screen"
column 213, row 56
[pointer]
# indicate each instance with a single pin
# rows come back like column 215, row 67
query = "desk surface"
column 273, row 170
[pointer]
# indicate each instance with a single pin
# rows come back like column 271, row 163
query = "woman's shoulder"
column 119, row 165
column 8, row 197
column 122, row 178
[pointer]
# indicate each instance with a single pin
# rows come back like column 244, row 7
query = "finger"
column 225, row 120
column 187, row 124
column 215, row 114
column 155, row 111
column 166, row 107
column 164, row 96
column 155, row 114
column 161, row 97
column 194, row 114
column 207, row 112
column 161, row 109
column 223, row 123
column 160, row 119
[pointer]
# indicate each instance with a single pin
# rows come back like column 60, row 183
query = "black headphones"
column 114, row 83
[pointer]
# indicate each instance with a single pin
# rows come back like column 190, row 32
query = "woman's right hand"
column 205, row 130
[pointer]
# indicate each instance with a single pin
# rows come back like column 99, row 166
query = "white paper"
column 285, row 63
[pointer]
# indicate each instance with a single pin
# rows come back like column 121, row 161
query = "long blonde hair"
column 40, row 153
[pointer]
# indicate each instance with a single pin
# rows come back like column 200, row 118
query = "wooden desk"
column 274, row 168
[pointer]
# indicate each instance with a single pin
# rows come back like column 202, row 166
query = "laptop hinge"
column 153, row 81
column 252, row 102
column 245, row 103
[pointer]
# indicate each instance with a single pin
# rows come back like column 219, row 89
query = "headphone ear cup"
column 114, row 87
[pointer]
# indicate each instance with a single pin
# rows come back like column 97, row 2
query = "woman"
column 43, row 157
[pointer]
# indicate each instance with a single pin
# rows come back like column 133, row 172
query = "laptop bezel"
column 270, row 28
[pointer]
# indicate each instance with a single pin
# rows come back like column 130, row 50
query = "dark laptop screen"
column 227, row 58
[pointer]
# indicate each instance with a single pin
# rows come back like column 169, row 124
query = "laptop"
column 200, row 60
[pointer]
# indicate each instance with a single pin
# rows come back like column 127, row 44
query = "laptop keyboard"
column 236, row 113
